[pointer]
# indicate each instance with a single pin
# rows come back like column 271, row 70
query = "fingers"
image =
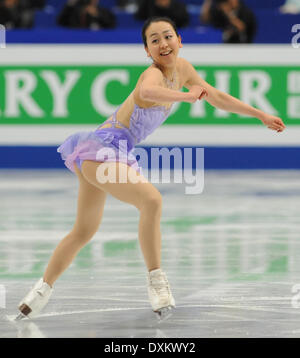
column 277, row 125
column 203, row 93
column 280, row 126
column 276, row 128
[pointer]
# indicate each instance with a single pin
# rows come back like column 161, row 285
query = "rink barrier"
column 46, row 157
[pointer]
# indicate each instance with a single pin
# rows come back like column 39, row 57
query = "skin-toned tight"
column 91, row 199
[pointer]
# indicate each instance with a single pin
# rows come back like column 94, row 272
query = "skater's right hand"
column 196, row 92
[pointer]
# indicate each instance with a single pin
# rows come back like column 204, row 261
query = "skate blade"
column 164, row 313
column 24, row 312
column 19, row 317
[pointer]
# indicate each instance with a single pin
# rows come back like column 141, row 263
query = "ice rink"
column 231, row 254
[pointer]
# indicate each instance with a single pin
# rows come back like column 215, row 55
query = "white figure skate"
column 35, row 301
column 160, row 295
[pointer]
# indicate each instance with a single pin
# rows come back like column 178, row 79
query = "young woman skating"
column 111, row 145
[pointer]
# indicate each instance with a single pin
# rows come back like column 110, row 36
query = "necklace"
column 171, row 83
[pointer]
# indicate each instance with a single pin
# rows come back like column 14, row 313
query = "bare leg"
column 145, row 197
column 90, row 207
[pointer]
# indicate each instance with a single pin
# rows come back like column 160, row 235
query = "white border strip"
column 133, row 54
column 183, row 135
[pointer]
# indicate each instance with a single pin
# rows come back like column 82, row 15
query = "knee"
column 82, row 235
column 152, row 203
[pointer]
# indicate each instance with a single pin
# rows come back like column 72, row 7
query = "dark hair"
column 149, row 21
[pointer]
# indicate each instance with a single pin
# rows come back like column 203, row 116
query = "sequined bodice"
column 143, row 122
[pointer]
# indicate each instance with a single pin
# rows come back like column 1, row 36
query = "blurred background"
column 68, row 64
column 265, row 21
column 231, row 253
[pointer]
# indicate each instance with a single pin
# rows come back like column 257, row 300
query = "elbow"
column 222, row 100
column 216, row 99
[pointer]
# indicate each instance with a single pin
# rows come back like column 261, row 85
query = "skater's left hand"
column 273, row 122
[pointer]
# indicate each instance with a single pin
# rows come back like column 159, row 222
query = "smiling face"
column 162, row 43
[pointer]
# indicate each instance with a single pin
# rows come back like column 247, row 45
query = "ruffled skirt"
column 104, row 145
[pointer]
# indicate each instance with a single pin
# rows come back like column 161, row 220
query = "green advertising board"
column 64, row 93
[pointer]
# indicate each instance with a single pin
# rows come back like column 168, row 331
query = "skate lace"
column 160, row 285
column 42, row 291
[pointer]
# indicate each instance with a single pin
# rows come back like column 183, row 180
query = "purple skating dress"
column 113, row 144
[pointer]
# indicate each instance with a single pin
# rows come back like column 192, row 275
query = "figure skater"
column 145, row 109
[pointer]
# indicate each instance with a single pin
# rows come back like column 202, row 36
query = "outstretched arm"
column 228, row 103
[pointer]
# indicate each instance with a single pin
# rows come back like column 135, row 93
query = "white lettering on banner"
column 255, row 95
column 294, row 82
column 222, row 84
column 20, row 85
column 296, row 37
column 98, row 96
column 17, row 95
column 293, row 102
column 197, row 108
column 293, row 107
column 2, row 36
column 60, row 91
